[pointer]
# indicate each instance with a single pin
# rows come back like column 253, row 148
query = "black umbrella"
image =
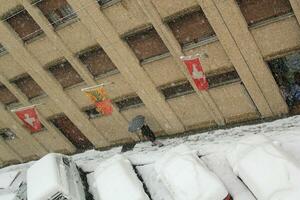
column 136, row 123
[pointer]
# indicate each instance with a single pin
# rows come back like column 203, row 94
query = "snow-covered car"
column 268, row 171
column 13, row 186
column 115, row 178
column 54, row 177
column 186, row 176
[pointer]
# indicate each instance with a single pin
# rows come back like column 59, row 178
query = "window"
column 92, row 112
column 103, row 2
column 222, row 79
column 258, row 10
column 146, row 44
column 7, row 134
column 184, row 87
column 191, row 28
column 6, row 97
column 2, row 50
column 177, row 89
column 97, row 62
column 24, row 25
column 286, row 71
column 65, row 74
column 29, row 87
column 128, row 102
column 66, row 126
column 56, row 11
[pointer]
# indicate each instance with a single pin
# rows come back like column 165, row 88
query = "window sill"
column 2, row 53
column 74, row 86
column 131, row 107
column 38, row 98
column 66, row 23
column 270, row 21
column 109, row 4
column 34, row 38
column 155, row 58
column 200, row 43
column 107, row 74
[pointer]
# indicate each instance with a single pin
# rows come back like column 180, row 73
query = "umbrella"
column 136, row 123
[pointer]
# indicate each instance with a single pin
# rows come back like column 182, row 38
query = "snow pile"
column 44, row 178
column 266, row 169
column 187, row 177
column 7, row 179
column 7, row 196
column 116, row 179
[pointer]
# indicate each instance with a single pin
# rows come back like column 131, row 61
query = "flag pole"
column 96, row 86
column 18, row 109
column 200, row 55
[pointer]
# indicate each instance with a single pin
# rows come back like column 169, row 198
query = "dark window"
column 258, row 10
column 57, row 11
column 146, row 44
column 102, row 2
column 177, row 89
column 191, row 28
column 286, row 71
column 184, row 87
column 65, row 74
column 66, row 126
column 29, row 87
column 7, row 134
column 6, row 97
column 92, row 113
column 24, row 25
column 2, row 49
column 128, row 102
column 222, row 79
column 97, row 61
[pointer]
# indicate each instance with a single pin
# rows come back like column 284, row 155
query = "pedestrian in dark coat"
column 148, row 133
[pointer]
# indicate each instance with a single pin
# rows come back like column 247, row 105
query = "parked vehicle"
column 115, row 179
column 13, row 186
column 268, row 171
column 187, row 178
column 54, row 177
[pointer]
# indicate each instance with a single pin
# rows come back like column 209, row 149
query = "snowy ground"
column 211, row 145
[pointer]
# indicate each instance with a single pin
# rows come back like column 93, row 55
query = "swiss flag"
column 30, row 118
column 196, row 71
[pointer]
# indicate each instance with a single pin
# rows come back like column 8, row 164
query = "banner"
column 100, row 98
column 196, row 71
column 29, row 117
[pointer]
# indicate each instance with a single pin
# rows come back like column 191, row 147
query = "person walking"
column 148, row 133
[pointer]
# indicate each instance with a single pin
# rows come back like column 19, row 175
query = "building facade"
column 51, row 49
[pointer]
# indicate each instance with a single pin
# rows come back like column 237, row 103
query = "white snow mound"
column 116, row 179
column 266, row 169
column 187, row 177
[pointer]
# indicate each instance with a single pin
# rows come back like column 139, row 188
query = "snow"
column 7, row 196
column 116, row 179
column 211, row 145
column 187, row 177
column 7, row 179
column 44, row 178
column 268, row 171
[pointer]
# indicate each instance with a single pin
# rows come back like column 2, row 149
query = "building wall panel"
column 19, row 147
column 43, row 50
column 163, row 71
column 190, row 111
column 170, row 7
column 125, row 16
column 76, row 37
column 278, row 37
column 9, row 67
column 233, row 101
column 52, row 143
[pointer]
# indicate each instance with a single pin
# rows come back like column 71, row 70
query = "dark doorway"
column 66, row 126
column 286, row 71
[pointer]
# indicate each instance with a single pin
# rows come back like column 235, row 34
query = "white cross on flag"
column 29, row 117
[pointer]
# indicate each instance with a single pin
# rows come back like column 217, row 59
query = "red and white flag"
column 29, row 117
column 196, row 71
